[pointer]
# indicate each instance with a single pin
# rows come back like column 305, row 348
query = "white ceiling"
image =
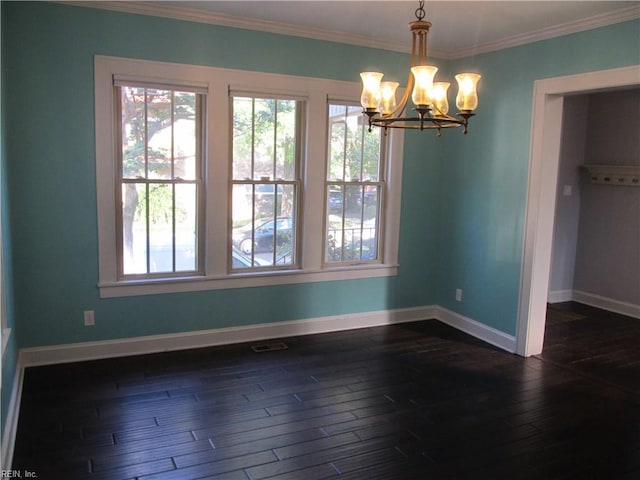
column 459, row 28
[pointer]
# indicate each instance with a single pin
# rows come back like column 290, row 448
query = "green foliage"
column 264, row 145
column 264, row 136
column 160, row 202
column 355, row 152
column 146, row 113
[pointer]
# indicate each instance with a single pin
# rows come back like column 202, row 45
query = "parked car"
column 335, row 201
column 263, row 235
column 240, row 260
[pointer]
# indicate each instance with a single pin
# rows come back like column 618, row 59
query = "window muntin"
column 159, row 136
column 265, row 171
column 354, row 188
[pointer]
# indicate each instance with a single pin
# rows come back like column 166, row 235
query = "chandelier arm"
column 399, row 110
column 427, row 121
column 423, row 122
column 417, row 126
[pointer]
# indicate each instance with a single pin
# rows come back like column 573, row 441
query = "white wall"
column 565, row 230
column 608, row 250
column 596, row 246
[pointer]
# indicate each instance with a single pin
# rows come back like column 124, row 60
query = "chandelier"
column 429, row 98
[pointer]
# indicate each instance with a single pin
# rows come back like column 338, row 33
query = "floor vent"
column 269, row 347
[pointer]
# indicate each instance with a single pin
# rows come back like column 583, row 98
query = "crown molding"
column 196, row 15
column 597, row 21
column 221, row 19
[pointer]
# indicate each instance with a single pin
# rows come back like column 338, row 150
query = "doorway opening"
column 548, row 107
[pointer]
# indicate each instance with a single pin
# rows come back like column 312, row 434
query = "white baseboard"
column 222, row 336
column 77, row 352
column 559, row 296
column 624, row 308
column 609, row 304
column 476, row 329
column 11, row 423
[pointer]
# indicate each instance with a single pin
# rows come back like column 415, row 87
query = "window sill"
column 241, row 280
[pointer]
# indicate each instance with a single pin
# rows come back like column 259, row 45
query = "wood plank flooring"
column 413, row 401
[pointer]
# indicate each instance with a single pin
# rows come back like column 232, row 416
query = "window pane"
column 160, row 206
column 337, row 136
column 269, row 235
column 335, row 200
column 186, row 236
column 241, row 218
column 264, row 139
column 352, row 223
column 353, row 153
column 242, row 138
column 371, row 213
column 285, row 140
column 184, row 136
column 134, row 228
column 133, row 132
column 371, row 156
column 159, row 133
column 285, row 231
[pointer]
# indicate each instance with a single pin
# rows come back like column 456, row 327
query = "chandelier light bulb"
column 370, row 97
column 388, row 97
column 423, row 77
column 439, row 98
column 467, row 98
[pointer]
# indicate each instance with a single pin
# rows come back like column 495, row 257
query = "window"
column 212, row 178
column 354, row 187
column 265, row 180
column 159, row 181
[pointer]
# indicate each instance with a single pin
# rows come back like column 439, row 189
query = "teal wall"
column 483, row 204
column 51, row 169
column 10, row 354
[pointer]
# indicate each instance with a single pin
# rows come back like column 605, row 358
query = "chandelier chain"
column 420, row 13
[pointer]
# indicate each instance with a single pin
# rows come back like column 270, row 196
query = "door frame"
column 546, row 135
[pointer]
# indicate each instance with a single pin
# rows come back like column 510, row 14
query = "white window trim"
column 218, row 83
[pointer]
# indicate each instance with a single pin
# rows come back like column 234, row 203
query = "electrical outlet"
column 458, row 294
column 89, row 318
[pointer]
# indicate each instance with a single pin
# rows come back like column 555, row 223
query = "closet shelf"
column 626, row 175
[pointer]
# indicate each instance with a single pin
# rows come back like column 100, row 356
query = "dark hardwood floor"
column 413, row 401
